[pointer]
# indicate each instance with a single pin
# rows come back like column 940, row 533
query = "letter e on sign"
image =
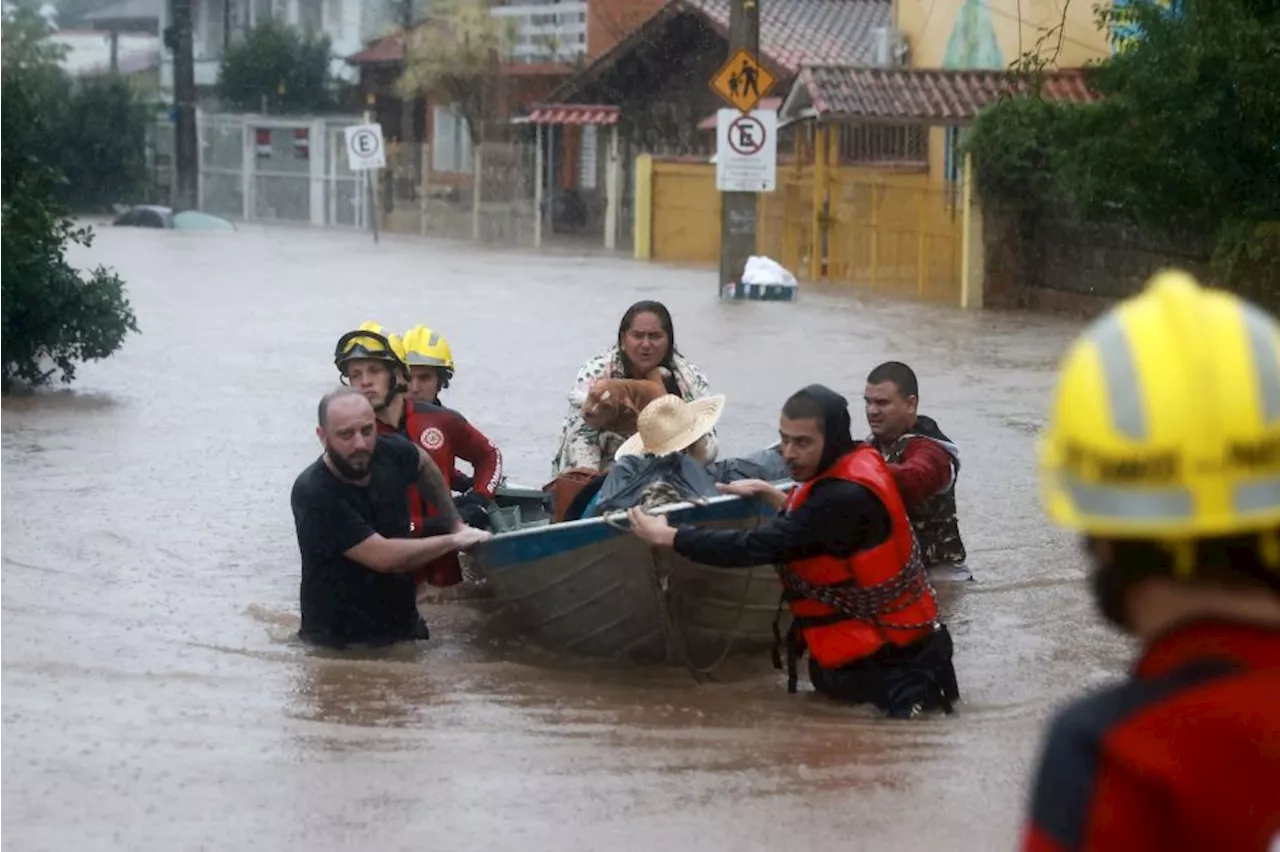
column 364, row 147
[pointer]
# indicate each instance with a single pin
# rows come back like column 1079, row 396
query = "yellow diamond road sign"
column 743, row 81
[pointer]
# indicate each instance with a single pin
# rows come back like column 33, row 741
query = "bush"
column 50, row 317
column 102, row 150
column 277, row 68
column 1246, row 260
column 1183, row 140
column 1018, row 145
column 93, row 132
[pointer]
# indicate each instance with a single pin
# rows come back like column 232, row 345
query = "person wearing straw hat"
column 669, row 446
column 851, row 568
column 1163, row 451
column 671, row 425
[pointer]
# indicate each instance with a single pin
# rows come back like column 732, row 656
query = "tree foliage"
column 1183, row 142
column 101, row 147
column 455, row 54
column 278, row 69
column 50, row 317
column 93, row 132
column 1184, row 138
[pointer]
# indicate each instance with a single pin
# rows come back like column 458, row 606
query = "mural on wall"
column 1124, row 31
column 973, row 42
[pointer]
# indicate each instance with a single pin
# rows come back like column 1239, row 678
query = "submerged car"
column 159, row 216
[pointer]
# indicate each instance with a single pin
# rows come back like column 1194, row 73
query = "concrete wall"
column 1060, row 263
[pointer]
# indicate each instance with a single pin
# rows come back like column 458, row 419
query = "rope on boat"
column 668, row 601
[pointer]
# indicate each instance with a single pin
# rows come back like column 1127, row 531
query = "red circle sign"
column 746, row 135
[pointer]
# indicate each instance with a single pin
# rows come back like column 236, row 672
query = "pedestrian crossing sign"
column 743, row 81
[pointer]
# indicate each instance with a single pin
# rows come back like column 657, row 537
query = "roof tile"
column 925, row 94
column 795, row 33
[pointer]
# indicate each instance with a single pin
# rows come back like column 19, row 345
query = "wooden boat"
column 592, row 588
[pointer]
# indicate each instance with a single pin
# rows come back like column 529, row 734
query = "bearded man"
column 351, row 511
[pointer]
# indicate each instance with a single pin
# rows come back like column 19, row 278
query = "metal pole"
column 373, row 203
column 373, row 200
column 537, row 188
column 738, row 209
column 408, row 103
column 184, row 99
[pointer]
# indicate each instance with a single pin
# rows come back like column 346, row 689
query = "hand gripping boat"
column 592, row 588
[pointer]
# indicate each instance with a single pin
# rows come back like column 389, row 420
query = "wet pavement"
column 154, row 698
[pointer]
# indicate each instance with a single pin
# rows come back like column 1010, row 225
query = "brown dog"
column 613, row 405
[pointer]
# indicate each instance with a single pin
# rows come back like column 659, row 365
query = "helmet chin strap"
column 395, row 390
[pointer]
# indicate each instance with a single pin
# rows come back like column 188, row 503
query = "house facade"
column 550, row 41
column 217, row 24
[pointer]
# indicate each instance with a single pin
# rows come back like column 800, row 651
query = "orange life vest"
column 834, row 637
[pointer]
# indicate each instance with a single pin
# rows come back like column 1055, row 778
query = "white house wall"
column 348, row 23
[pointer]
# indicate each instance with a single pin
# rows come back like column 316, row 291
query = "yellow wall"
column 986, row 33
column 892, row 232
column 686, row 213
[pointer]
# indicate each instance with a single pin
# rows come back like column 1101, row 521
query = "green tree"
column 50, row 317
column 102, row 147
column 279, row 69
column 455, row 55
column 1185, row 139
column 93, row 132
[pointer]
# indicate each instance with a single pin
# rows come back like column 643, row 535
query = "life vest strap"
column 870, row 603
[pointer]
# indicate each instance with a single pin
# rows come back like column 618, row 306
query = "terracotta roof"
column 574, row 114
column 709, row 123
column 381, row 51
column 795, row 33
column 918, row 95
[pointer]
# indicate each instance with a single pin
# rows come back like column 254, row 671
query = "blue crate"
column 759, row 292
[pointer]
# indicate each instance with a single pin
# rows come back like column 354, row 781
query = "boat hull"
column 591, row 589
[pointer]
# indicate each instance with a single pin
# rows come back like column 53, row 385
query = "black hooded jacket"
column 838, row 519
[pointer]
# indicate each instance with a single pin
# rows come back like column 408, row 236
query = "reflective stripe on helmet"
column 1258, row 496
column 1262, row 330
column 1121, row 376
column 1164, row 504
column 1130, row 504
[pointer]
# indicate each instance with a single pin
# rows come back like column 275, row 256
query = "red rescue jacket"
column 446, row 436
column 1183, row 755
column 832, row 637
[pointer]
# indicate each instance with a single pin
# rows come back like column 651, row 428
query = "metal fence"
column 273, row 168
column 416, row 198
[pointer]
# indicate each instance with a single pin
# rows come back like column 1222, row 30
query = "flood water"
column 153, row 695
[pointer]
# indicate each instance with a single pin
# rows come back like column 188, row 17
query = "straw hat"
column 669, row 424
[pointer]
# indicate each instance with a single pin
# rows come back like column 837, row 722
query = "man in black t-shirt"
column 351, row 511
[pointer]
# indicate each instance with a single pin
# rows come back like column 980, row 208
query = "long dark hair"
column 659, row 310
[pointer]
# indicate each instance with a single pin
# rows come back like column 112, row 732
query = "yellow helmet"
column 425, row 348
column 369, row 341
column 1166, row 418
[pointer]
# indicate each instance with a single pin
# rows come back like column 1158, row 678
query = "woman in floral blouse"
column 646, row 339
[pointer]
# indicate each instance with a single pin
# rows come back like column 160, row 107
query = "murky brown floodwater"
column 153, row 697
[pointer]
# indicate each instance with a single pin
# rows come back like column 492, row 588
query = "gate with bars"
column 283, row 169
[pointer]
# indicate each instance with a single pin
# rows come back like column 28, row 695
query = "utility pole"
column 408, row 104
column 184, row 101
column 738, row 209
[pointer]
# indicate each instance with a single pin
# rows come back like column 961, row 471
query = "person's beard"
column 354, row 466
column 1110, row 587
